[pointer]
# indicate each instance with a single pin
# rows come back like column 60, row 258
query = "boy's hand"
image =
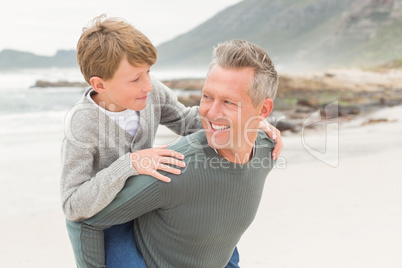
column 274, row 134
column 148, row 161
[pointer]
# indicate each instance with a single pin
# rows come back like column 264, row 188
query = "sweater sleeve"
column 85, row 191
column 140, row 195
column 180, row 119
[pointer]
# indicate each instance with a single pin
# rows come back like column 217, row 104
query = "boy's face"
column 228, row 114
column 128, row 88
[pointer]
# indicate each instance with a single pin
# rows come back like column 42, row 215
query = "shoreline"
column 355, row 91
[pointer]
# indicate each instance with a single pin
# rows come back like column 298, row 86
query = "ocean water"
column 20, row 100
column 26, row 110
column 18, row 97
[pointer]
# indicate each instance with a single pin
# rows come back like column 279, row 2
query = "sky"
column 45, row 26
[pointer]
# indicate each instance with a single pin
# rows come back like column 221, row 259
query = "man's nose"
column 215, row 110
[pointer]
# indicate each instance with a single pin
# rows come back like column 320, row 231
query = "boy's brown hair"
column 102, row 46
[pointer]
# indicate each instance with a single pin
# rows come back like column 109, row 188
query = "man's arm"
column 139, row 196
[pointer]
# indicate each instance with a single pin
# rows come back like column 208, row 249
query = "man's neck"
column 240, row 156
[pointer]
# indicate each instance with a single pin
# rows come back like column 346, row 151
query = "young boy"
column 110, row 131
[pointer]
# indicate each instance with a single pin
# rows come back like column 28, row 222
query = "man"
column 197, row 219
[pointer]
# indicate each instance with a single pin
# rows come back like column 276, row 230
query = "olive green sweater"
column 196, row 220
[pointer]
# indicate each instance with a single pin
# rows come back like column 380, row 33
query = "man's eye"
column 206, row 97
column 228, row 102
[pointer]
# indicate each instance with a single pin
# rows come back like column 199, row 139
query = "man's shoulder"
column 191, row 145
column 263, row 140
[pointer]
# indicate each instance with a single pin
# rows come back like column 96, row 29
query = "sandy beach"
column 315, row 215
column 312, row 214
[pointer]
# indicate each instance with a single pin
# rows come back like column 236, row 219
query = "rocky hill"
column 13, row 59
column 355, row 92
column 298, row 33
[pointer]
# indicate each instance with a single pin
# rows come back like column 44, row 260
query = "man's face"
column 129, row 87
column 228, row 116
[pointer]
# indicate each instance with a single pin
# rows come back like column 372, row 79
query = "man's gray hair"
column 237, row 54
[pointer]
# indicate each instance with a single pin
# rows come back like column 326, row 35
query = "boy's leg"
column 234, row 260
column 120, row 247
column 87, row 237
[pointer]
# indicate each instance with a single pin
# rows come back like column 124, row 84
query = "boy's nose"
column 147, row 85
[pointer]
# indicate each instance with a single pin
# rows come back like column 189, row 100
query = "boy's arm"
column 84, row 192
column 86, row 186
column 274, row 134
column 180, row 119
column 139, row 196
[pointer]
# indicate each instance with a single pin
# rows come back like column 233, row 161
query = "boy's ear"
column 266, row 108
column 98, row 84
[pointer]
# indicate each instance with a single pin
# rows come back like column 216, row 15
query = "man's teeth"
column 217, row 127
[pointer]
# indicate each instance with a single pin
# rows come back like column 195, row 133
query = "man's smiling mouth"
column 219, row 127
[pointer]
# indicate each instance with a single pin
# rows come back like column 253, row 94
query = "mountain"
column 13, row 59
column 297, row 33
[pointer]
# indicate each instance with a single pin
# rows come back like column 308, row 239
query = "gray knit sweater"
column 196, row 220
column 95, row 150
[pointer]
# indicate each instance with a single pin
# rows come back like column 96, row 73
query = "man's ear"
column 98, row 84
column 266, row 108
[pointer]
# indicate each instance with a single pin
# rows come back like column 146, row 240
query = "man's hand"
column 274, row 134
column 148, row 161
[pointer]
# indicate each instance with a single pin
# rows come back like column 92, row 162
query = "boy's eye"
column 136, row 80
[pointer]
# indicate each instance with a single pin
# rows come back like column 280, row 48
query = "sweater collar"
column 217, row 161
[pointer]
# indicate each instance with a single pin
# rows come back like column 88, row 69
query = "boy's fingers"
column 159, row 176
column 277, row 149
column 169, row 169
column 271, row 132
column 172, row 161
column 275, row 153
column 268, row 129
column 172, row 153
